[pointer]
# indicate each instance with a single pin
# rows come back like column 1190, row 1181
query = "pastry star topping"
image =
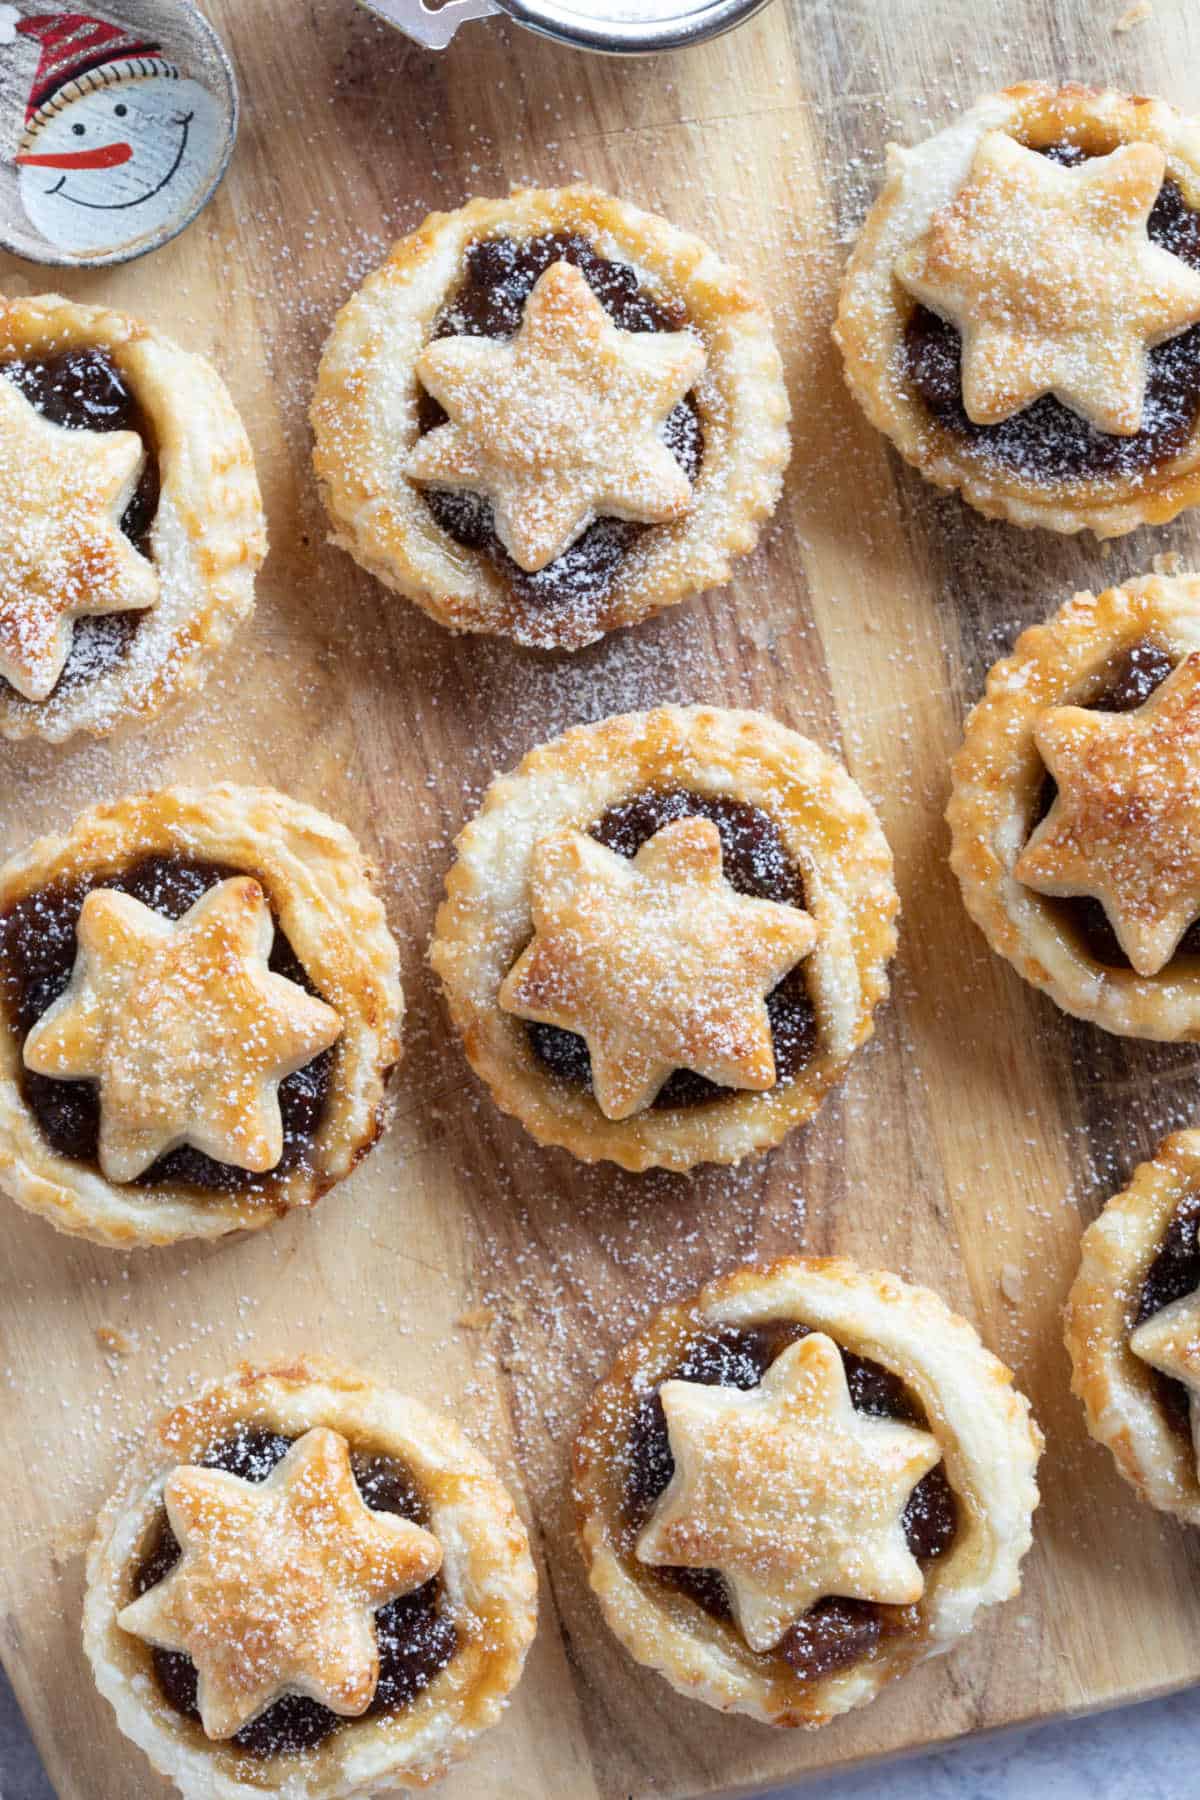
column 1125, row 827
column 1051, row 279
column 1170, row 1342
column 62, row 551
column 183, row 1026
column 657, row 962
column 789, row 1492
column 278, row 1582
column 563, row 423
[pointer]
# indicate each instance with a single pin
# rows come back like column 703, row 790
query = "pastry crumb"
column 1168, row 562
column 476, row 1318
column 1136, row 14
column 1011, row 1284
column 115, row 1342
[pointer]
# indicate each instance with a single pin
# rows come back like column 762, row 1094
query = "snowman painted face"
column 115, row 164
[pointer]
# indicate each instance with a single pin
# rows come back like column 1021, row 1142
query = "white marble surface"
column 1143, row 1752
column 1139, row 1753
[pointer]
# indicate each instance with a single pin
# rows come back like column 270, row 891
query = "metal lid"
column 631, row 27
column 115, row 128
column 617, row 27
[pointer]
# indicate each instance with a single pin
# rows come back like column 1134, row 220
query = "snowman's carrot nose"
column 104, row 156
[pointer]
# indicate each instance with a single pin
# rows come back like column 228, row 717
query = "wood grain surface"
column 970, row 1142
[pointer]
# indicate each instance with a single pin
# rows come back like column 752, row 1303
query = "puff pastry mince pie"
column 666, row 934
column 798, row 1484
column 1075, row 826
column 199, row 1009
column 131, row 526
column 309, row 1586
column 1133, row 1328
column 1021, row 314
column 549, row 415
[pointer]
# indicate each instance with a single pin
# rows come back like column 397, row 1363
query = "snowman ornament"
column 120, row 148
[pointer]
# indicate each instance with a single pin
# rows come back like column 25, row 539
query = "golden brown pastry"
column 1021, row 313
column 199, row 1011
column 799, row 1483
column 1133, row 1328
column 666, row 934
column 549, row 415
column 131, row 525
column 1073, row 815
column 308, row 1585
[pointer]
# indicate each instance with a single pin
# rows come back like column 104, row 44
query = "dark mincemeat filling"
column 834, row 1633
column 755, row 862
column 415, row 1640
column 1174, row 1272
column 84, row 391
column 1047, row 441
column 499, row 279
column 1133, row 678
column 37, row 955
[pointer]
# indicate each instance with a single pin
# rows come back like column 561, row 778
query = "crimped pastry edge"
column 997, row 771
column 828, row 826
column 487, row 1570
column 364, row 413
column 1116, row 1387
column 322, row 890
column 208, row 538
column 870, row 325
column 990, row 1440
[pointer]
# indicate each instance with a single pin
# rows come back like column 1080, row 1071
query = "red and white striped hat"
column 81, row 52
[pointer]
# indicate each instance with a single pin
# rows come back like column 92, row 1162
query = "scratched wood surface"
column 972, row 1140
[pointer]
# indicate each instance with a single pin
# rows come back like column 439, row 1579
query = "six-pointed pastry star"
column 62, row 551
column 183, row 1026
column 656, row 962
column 789, row 1492
column 278, row 1582
column 1125, row 826
column 562, row 424
column 1170, row 1342
column 1052, row 281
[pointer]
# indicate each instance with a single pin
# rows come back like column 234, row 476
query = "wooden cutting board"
column 970, row 1142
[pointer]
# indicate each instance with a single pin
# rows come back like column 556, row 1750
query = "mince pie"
column 131, row 526
column 1021, row 315
column 1133, row 1328
column 549, row 415
column 200, row 1006
column 799, row 1483
column 666, row 934
column 309, row 1586
column 1074, row 812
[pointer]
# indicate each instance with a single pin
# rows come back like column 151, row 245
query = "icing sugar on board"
column 971, row 1141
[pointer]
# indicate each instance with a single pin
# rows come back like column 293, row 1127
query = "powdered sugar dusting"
column 966, row 1143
